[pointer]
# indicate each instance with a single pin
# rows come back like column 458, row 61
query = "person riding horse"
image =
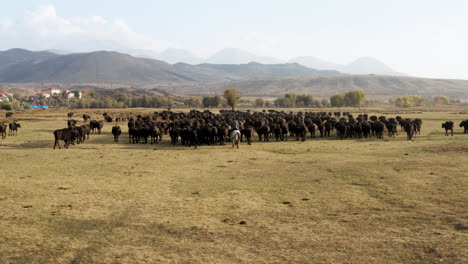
column 234, row 133
column 234, row 125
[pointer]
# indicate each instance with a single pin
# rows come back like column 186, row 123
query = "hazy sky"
column 422, row 38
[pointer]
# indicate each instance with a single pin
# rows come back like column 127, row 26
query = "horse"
column 235, row 138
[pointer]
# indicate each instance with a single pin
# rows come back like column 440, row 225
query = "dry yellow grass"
column 321, row 201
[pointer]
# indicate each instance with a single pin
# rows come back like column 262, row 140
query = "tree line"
column 231, row 97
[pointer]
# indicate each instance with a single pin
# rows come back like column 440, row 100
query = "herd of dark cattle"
column 195, row 127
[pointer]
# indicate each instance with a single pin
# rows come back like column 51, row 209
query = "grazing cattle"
column 417, row 125
column 378, row 129
column 116, row 131
column 71, row 123
column 3, row 130
column 14, row 128
column 263, row 131
column 62, row 134
column 8, row 114
column 464, row 124
column 391, row 128
column 86, row 130
column 208, row 128
column 366, row 129
column 76, row 135
column 108, row 119
column 70, row 115
column 222, row 134
column 448, row 125
column 174, row 135
column 409, row 129
column 247, row 132
column 86, row 117
column 341, row 129
column 96, row 126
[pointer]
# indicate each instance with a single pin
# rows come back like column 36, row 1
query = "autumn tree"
column 337, row 100
column 354, row 98
column 259, row 102
column 232, row 97
column 441, row 100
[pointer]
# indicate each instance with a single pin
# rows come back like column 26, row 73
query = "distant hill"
column 363, row 65
column 316, row 63
column 178, row 55
column 254, row 70
column 14, row 56
column 102, row 66
column 325, row 86
column 114, row 67
column 368, row 65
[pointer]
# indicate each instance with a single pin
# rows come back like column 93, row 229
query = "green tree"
column 355, row 98
column 192, row 102
column 441, row 100
column 284, row 102
column 209, row 101
column 16, row 104
column 337, row 100
column 232, row 97
column 6, row 106
column 304, row 100
column 325, row 102
column 292, row 97
column 409, row 101
column 259, row 102
column 218, row 100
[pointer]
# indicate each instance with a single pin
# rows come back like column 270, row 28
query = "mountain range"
column 362, row 65
column 25, row 67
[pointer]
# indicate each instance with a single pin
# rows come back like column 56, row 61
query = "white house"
column 4, row 97
column 51, row 91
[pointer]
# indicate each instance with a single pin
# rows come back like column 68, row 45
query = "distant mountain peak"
column 175, row 55
column 239, row 56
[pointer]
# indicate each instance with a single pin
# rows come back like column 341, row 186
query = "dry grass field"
column 319, row 201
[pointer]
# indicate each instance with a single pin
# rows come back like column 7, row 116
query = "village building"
column 51, row 91
column 4, row 97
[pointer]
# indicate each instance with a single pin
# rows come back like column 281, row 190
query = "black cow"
column 3, row 130
column 8, row 114
column 14, row 128
column 86, row 129
column 62, row 134
column 448, row 125
column 116, row 131
column 96, row 126
column 464, row 124
column 86, row 117
column 71, row 123
column 409, row 129
column 247, row 132
column 378, row 129
column 70, row 114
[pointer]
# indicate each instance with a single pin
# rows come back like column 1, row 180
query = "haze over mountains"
column 362, row 65
column 113, row 67
column 253, row 78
